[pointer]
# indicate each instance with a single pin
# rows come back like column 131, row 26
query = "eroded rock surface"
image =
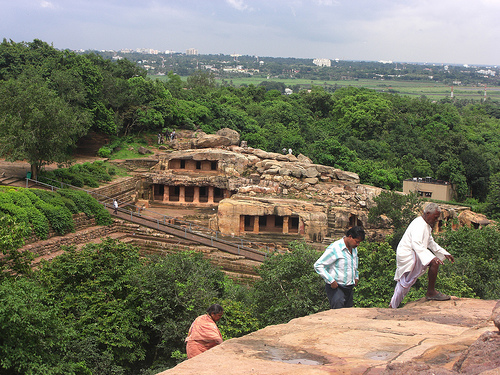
column 424, row 337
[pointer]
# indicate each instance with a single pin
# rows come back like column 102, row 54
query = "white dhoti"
column 404, row 284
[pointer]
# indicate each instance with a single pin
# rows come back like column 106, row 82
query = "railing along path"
column 178, row 228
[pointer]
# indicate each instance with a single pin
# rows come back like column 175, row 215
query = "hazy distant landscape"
column 434, row 80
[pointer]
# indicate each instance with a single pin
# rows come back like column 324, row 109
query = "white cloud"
column 46, row 4
column 327, row 2
column 238, row 4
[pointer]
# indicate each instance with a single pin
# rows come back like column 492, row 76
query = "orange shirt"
column 203, row 335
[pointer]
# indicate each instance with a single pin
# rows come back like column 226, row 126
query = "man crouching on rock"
column 413, row 257
column 338, row 266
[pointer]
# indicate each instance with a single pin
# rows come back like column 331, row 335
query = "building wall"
column 434, row 190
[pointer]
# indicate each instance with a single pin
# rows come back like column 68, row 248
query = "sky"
column 424, row 31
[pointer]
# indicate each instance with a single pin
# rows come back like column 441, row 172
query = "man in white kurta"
column 417, row 251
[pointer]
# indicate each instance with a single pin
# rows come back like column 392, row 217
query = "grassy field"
column 432, row 90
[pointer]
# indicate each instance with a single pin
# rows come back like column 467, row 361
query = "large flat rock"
column 352, row 341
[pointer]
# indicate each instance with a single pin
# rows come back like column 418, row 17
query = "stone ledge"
column 353, row 341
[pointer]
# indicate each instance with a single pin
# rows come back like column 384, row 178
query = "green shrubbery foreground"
column 107, row 310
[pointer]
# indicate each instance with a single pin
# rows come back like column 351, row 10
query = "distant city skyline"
column 420, row 31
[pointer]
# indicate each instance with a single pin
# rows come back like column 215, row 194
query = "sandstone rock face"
column 217, row 161
column 233, row 135
column 472, row 219
column 424, row 337
column 312, row 216
column 144, row 151
column 210, row 140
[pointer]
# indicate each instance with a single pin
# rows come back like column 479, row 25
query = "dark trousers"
column 340, row 297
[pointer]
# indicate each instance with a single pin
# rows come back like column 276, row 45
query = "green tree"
column 97, row 292
column 493, row 199
column 36, row 125
column 399, row 209
column 477, row 258
column 201, row 82
column 377, row 264
column 12, row 235
column 34, row 338
column 289, row 287
column 176, row 289
column 452, row 170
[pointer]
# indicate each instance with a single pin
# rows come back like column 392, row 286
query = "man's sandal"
column 438, row 297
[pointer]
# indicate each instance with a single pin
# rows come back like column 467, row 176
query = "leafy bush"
column 98, row 294
column 477, row 258
column 12, row 234
column 87, row 204
column 80, row 175
column 289, row 287
column 18, row 204
column 39, row 222
column 133, row 312
column 238, row 319
column 177, row 288
column 18, row 212
column 34, row 336
column 42, row 208
column 377, row 264
column 60, row 217
column 104, row 152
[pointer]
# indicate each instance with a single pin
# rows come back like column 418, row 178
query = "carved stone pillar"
column 196, row 196
column 182, row 194
column 285, row 224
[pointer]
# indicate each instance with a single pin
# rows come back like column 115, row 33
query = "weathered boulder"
column 472, row 219
column 303, row 159
column 481, row 356
column 144, row 151
column 424, row 337
column 495, row 316
column 210, row 141
column 233, row 135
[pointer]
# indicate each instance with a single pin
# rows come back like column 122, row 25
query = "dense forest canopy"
column 383, row 137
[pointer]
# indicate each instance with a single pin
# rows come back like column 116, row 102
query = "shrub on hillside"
column 289, row 287
column 88, row 205
column 79, row 175
column 104, row 152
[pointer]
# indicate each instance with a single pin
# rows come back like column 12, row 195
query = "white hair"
column 431, row 208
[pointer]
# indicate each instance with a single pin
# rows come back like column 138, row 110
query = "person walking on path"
column 115, row 206
column 416, row 253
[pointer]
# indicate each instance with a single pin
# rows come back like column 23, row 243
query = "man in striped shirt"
column 338, row 266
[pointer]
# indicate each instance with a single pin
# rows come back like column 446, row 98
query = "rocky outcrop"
column 424, row 337
column 246, row 174
column 223, row 137
column 233, row 135
column 472, row 219
column 312, row 217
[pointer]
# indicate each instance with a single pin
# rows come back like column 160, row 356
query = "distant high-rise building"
column 191, row 51
column 322, row 62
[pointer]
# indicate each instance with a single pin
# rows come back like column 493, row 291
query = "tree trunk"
column 34, row 171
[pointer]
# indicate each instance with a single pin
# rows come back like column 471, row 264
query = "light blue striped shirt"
column 338, row 264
